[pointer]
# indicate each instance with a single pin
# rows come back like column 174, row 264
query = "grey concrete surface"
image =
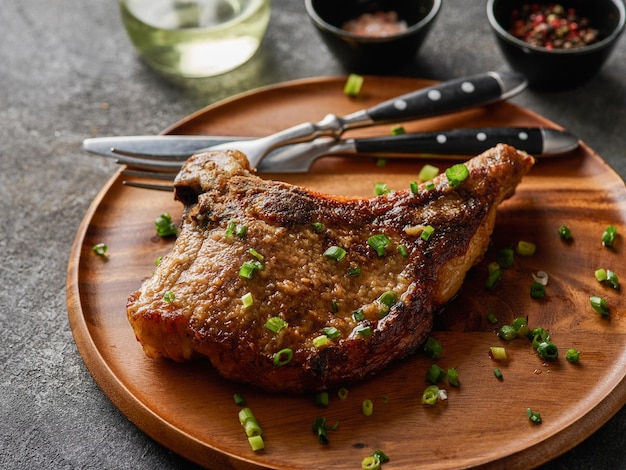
column 68, row 72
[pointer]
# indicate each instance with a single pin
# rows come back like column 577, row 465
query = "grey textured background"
column 68, row 72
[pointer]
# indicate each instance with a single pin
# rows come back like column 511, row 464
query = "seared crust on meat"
column 296, row 282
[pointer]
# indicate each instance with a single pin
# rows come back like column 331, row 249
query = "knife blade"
column 450, row 96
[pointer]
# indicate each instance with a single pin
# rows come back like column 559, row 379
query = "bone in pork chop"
column 316, row 321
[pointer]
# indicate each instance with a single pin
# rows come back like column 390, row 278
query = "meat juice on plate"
column 195, row 38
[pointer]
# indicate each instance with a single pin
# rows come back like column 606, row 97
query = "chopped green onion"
column 358, row 315
column 430, row 185
column 398, row 130
column 414, row 187
column 100, row 249
column 541, row 277
column 363, row 331
column 342, row 393
column 164, row 226
column 609, row 235
column 256, row 443
column 435, row 374
column 335, row 252
column 547, row 350
column 239, row 399
column 607, row 276
column 494, row 277
column 331, row 332
column 506, row 257
column 456, row 174
column 428, row 172
column 498, row 353
column 158, row 261
column 169, row 297
column 380, row 189
column 320, row 341
column 283, row 357
column 525, row 248
column 600, row 305
column 241, row 231
column 388, row 299
column 381, row 455
column 403, row 251
column 491, row 318
column 353, row 85
column 370, row 462
column 537, row 290
column 354, row 271
column 534, row 416
column 320, row 429
column 432, row 348
column 565, row 233
column 379, row 243
column 430, row 395
column 507, row 333
column 498, row 374
column 427, row 232
column 275, row 324
column 247, row 300
column 248, row 268
column 381, row 162
column 572, row 355
column 256, row 254
column 249, row 422
column 453, row 377
column 334, row 306
column 318, row 226
column 321, row 398
column 520, row 325
column 230, row 229
column 538, row 336
column 367, row 407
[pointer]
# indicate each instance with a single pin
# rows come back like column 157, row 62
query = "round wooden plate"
column 189, row 409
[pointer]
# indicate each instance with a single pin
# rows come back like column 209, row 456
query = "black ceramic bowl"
column 559, row 68
column 360, row 53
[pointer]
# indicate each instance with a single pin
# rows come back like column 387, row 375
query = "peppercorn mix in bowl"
column 556, row 45
column 373, row 36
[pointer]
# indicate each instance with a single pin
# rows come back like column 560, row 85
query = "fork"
column 447, row 144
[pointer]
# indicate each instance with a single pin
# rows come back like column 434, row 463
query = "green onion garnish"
column 334, row 306
column 430, row 395
column 428, row 172
column 453, row 377
column 256, row 254
column 507, row 332
column 432, row 348
column 363, row 331
column 398, row 130
column 353, row 85
column 505, row 257
column 498, row 374
column 430, row 185
column 607, row 276
column 230, row 229
column 342, row 393
column 239, row 399
column 354, row 271
column 275, row 324
column 247, row 300
column 256, row 443
column 380, row 189
column 520, row 325
column 321, row 399
column 335, row 252
column 491, row 318
column 320, row 428
column 388, row 299
column 249, row 422
column 609, row 235
column 534, row 416
column 283, row 357
column 565, row 233
column 498, row 353
column 525, row 248
column 435, row 374
column 572, row 355
column 317, row 226
column 494, row 277
column 537, row 290
column 547, row 350
column 164, row 226
column 427, row 232
column 414, row 187
column 381, row 162
column 331, row 332
column 538, row 336
column 370, row 463
column 241, row 231
column 403, row 251
column 320, row 341
column 456, row 174
column 169, row 297
column 379, row 243
column 358, row 314
column 599, row 304
column 158, row 261
column 248, row 268
column 367, row 407
column 100, row 249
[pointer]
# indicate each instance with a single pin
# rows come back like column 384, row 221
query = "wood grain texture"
column 189, row 409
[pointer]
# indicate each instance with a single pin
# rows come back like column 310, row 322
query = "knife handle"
column 450, row 96
column 457, row 141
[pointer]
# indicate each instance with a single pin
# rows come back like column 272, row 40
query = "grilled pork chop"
column 320, row 316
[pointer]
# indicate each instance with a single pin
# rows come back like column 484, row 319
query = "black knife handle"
column 457, row 141
column 447, row 97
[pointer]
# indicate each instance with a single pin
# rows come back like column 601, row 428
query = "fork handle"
column 447, row 97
